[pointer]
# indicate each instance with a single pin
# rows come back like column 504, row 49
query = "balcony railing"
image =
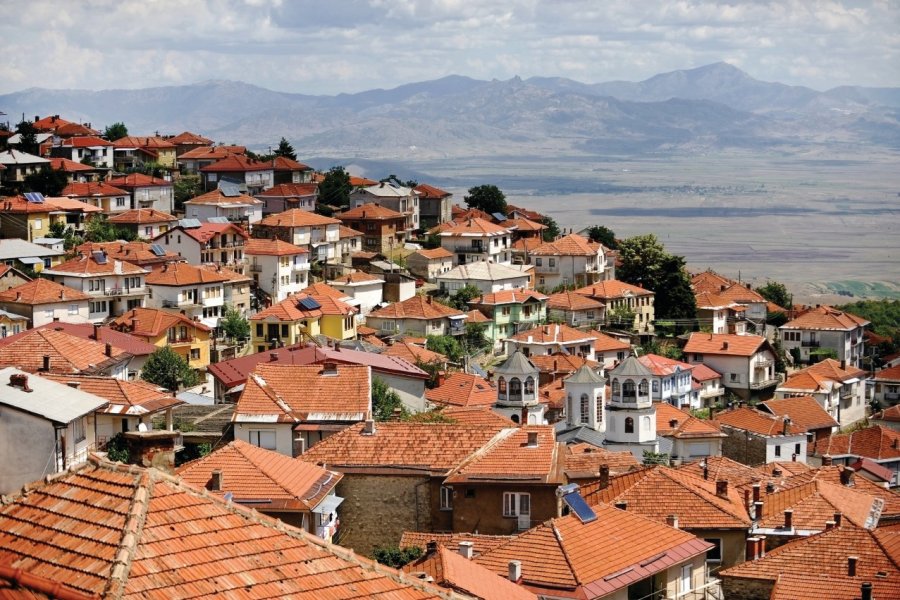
column 181, row 303
column 810, row 344
column 189, row 339
column 763, row 383
column 467, row 249
column 125, row 292
column 256, row 268
column 763, row 363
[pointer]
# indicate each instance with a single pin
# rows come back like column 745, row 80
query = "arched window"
column 585, row 408
column 628, row 390
column 644, row 388
column 529, row 385
column 629, row 425
column 616, row 387
column 645, row 424
column 514, row 418
column 515, row 389
column 501, row 385
column 656, row 386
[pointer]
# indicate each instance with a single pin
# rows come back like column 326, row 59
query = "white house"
column 147, row 191
column 42, row 301
column 398, row 198
column 755, row 437
column 670, row 381
column 199, row 243
column 240, row 169
column 550, row 339
column 488, row 277
column 198, row 292
column 227, row 202
column 277, row 267
column 320, row 235
column 570, row 260
column 114, row 286
column 94, row 149
column 887, row 386
column 631, row 412
column 366, row 290
column 824, row 328
column 746, row 362
column 429, row 264
column 839, row 389
column 477, row 240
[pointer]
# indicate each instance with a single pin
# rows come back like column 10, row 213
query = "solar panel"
column 99, row 257
column 189, row 223
column 157, row 250
column 229, row 190
column 217, row 220
column 581, row 509
column 499, row 216
column 309, row 304
column 35, row 197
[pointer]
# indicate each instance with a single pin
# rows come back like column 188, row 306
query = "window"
column 120, row 202
column 629, row 425
column 78, row 429
column 585, row 408
column 470, row 492
column 264, row 438
column 655, row 386
column 714, row 554
column 446, row 498
column 195, row 353
column 552, row 262
column 516, row 504
column 684, row 582
column 37, row 224
column 259, row 330
column 778, row 450
column 538, row 262
column 47, row 263
column 148, row 231
column 284, row 331
column 73, row 309
column 797, row 449
column 735, row 378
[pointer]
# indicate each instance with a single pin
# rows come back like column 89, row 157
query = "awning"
column 328, row 505
column 30, row 260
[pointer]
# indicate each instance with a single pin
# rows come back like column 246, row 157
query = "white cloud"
column 352, row 45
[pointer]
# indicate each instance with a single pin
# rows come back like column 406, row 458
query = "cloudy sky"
column 331, row 46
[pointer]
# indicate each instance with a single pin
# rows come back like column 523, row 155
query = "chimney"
column 826, row 460
column 705, row 471
column 108, row 350
column 96, row 334
column 621, row 504
column 20, row 380
column 865, row 591
column 776, row 472
column 838, row 518
column 604, row 477
column 786, row 424
column 847, row 476
column 844, row 365
column 299, row 446
column 273, row 356
column 722, row 488
column 216, row 481
column 74, row 384
column 851, row 565
column 756, row 492
column 788, row 519
column 369, row 427
column 672, row 521
column 467, row 549
column 329, row 369
column 18, row 296
column 758, row 510
column 673, row 423
column 770, row 487
column 524, row 417
column 829, row 525
column 154, row 449
column 761, row 546
column 515, row 571
column 46, row 366
column 532, row 439
column 725, row 345
column 431, row 547
column 751, row 549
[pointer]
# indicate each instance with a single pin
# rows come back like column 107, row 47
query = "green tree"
column 621, row 317
column 99, row 229
column 285, row 150
column 602, row 235
column 552, row 231
column 234, row 325
column 117, row 449
column 434, row 370
column 385, row 400
column 116, row 131
column 447, row 345
column 335, row 188
column 460, row 300
column 185, row 188
column 488, row 198
column 646, row 263
column 775, row 292
column 395, row 557
column 475, row 338
column 28, row 138
column 656, row 458
column 46, row 181
column 166, row 368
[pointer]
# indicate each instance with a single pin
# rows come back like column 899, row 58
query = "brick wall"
column 738, row 447
column 377, row 509
column 746, row 589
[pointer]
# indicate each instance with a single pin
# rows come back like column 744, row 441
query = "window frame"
column 513, row 505
column 446, row 501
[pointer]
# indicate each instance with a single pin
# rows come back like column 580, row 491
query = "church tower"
column 632, row 416
column 585, row 399
column 517, row 390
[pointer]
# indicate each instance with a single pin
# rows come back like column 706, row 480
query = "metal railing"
column 763, row 383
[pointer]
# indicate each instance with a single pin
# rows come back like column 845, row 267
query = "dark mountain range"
column 712, row 107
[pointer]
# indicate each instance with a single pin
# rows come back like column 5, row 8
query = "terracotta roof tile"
column 583, row 460
column 186, row 137
column 482, row 543
column 138, row 253
column 142, row 215
column 84, row 141
column 758, row 422
column 560, row 363
column 314, row 392
column 283, row 163
column 889, row 414
column 449, row 569
column 475, row 226
column 252, row 473
column 562, row 554
column 235, row 163
column 68, row 166
column 80, row 526
column 552, row 334
column 153, row 322
column 414, row 354
column 832, row 369
column 833, row 474
column 570, row 245
column 517, row 296
column 685, row 424
column 480, row 415
column 511, row 457
column 816, row 502
column 125, row 397
column 182, row 274
column 369, row 212
column 522, row 225
column 703, row 372
column 212, row 152
column 724, row 344
column 356, row 277
column 434, row 253
column 802, row 410
column 417, row 307
column 323, row 289
column 476, row 316
column 139, row 141
column 429, row 191
column 329, row 305
column 874, row 442
column 430, row 447
column 826, row 318
column 296, row 217
column 68, row 353
column 88, row 266
column 289, row 309
column 41, row 291
column 526, row 244
column 569, row 300
column 138, row 180
column 91, row 189
column 216, row 197
column 290, row 190
column 612, row 288
column 262, row 246
column 463, row 389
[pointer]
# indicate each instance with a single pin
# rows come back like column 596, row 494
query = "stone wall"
column 377, row 509
column 736, row 588
column 747, row 450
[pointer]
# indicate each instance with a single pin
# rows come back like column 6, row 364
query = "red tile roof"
column 261, row 246
column 569, row 300
column 802, row 410
column 323, row 289
column 560, row 363
column 339, row 392
column 356, row 277
column 482, row 543
column 434, row 253
column 874, row 442
column 816, row 567
column 369, row 212
column 235, row 163
column 290, row 190
column 413, row 353
column 517, row 296
column 758, row 422
column 138, row 180
column 212, row 152
column 16, row 584
column 449, row 569
column 837, row 475
column 832, row 369
column 570, row 245
column 722, row 468
column 153, row 322
column 283, row 163
column 406, row 447
column 676, row 423
column 417, row 307
column 612, row 288
column 889, row 374
column 429, row 192
column 208, row 231
column 510, row 457
column 889, row 414
column 69, row 166
column 289, row 309
column 86, row 331
column 476, row 227
column 816, row 502
column 91, row 189
column 50, row 123
column 725, row 344
column 251, row 474
column 478, row 415
column 68, row 353
column 88, row 266
column 179, row 274
column 138, row 253
column 476, row 316
column 826, row 318
column 551, row 334
column 41, row 291
column 139, row 216
column 584, row 461
column 562, row 556
column 139, row 141
column 702, row 372
column 463, row 389
column 186, row 137
column 123, row 531
column 84, row 141
column 606, row 343
column 296, row 217
column 217, row 198
column 662, row 366
column 125, row 397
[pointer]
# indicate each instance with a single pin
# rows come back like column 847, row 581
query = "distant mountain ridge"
column 711, row 107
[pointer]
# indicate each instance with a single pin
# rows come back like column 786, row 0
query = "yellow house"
column 26, row 219
column 11, row 323
column 338, row 318
column 188, row 338
column 133, row 150
column 295, row 319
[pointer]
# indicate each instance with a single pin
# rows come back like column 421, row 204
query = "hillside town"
column 227, row 374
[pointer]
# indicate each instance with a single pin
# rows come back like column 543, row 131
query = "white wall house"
column 631, row 413
column 277, row 267
column 477, row 240
column 184, row 287
column 746, row 362
column 319, row 235
column 44, row 301
column 550, row 339
column 570, row 260
column 239, row 208
column 366, row 290
column 209, row 243
column 113, row 286
column 398, row 198
column 488, row 277
column 147, row 191
column 824, row 328
column 97, row 150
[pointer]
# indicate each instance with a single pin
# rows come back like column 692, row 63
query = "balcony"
column 763, row 364
column 467, row 249
column 763, row 383
column 125, row 292
column 256, row 268
column 810, row 344
column 192, row 303
column 546, row 269
column 175, row 341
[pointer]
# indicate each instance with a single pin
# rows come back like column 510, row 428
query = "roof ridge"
column 132, row 531
column 562, row 548
column 710, row 498
column 239, row 448
column 499, row 437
